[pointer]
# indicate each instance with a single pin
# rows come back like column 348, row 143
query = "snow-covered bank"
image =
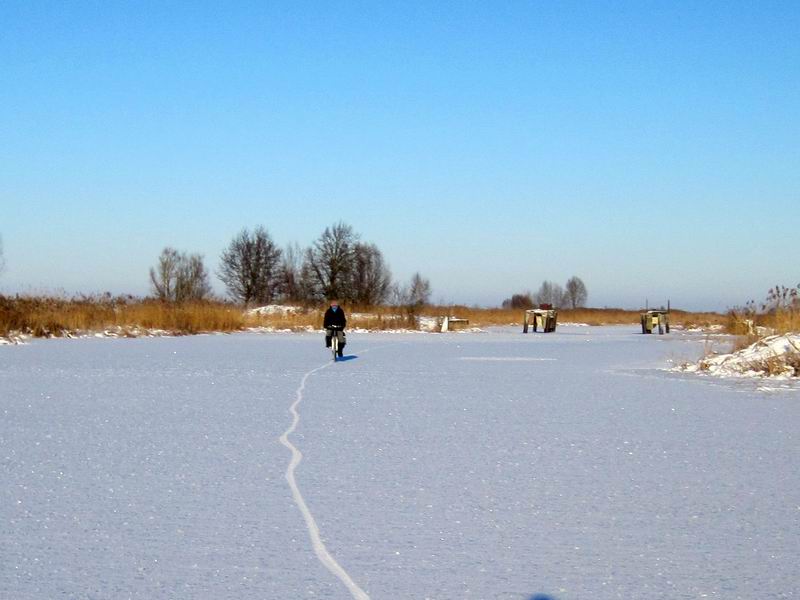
column 108, row 332
column 275, row 309
column 777, row 356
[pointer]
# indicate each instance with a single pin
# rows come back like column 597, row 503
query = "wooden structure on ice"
column 543, row 318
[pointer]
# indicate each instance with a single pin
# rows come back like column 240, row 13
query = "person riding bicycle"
column 334, row 317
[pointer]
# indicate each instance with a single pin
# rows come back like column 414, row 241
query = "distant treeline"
column 338, row 264
column 255, row 271
column 573, row 295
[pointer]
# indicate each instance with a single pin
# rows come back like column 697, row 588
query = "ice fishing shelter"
column 542, row 318
column 655, row 319
column 452, row 324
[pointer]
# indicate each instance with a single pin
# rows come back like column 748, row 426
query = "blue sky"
column 652, row 149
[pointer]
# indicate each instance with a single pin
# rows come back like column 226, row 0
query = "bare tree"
column 398, row 294
column 519, row 301
column 411, row 297
column 330, row 261
column 163, row 276
column 192, row 283
column 249, row 267
column 419, row 292
column 576, row 293
column 180, row 277
column 370, row 277
column 549, row 293
column 309, row 288
column 290, row 274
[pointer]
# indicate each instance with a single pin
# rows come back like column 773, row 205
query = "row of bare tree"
column 256, row 271
column 573, row 295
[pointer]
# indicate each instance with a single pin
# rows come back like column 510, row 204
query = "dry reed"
column 45, row 317
column 48, row 316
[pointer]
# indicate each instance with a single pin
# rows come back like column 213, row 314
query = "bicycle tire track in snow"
column 313, row 530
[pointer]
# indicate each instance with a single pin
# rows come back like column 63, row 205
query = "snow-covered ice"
column 495, row 465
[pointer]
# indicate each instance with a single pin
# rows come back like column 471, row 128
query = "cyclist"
column 334, row 317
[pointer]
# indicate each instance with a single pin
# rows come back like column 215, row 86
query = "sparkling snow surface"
column 495, row 465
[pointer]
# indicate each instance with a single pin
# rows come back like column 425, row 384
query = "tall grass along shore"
column 41, row 316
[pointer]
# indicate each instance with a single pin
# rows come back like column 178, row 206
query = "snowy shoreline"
column 16, row 338
column 775, row 357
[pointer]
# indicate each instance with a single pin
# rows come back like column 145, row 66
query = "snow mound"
column 117, row 331
column 375, row 317
column 427, row 323
column 383, row 331
column 774, row 356
column 271, row 329
column 122, row 332
column 274, row 309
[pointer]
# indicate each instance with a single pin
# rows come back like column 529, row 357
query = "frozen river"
column 486, row 465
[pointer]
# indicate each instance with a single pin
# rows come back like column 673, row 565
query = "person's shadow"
column 347, row 357
column 541, row 597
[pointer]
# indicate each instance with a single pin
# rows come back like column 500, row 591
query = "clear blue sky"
column 651, row 148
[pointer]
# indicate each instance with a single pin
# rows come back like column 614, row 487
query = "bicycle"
column 337, row 335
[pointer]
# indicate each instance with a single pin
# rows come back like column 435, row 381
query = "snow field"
column 495, row 465
column 313, row 529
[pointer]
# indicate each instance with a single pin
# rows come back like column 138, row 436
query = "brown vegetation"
column 45, row 317
column 775, row 322
column 48, row 316
column 780, row 313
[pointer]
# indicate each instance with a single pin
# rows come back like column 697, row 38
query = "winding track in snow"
column 313, row 530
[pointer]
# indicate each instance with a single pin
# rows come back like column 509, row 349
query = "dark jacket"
column 334, row 317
